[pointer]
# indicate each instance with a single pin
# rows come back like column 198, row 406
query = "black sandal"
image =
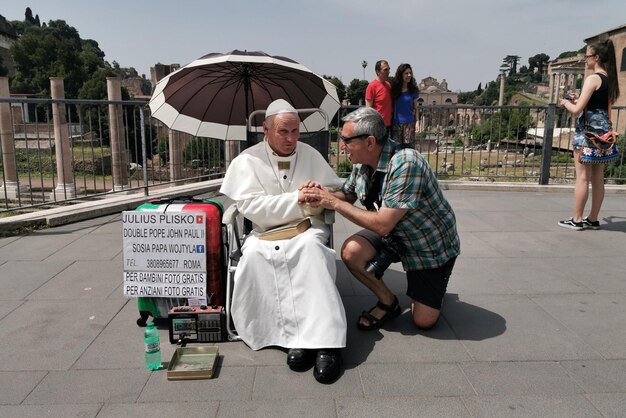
column 391, row 311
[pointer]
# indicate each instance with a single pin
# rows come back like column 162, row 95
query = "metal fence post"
column 546, row 152
column 144, row 158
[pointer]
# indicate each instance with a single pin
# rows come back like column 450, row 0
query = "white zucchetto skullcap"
column 279, row 106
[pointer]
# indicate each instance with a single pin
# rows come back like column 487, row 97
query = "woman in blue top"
column 599, row 92
column 404, row 93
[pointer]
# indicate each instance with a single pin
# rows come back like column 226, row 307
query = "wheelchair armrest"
column 329, row 216
column 230, row 214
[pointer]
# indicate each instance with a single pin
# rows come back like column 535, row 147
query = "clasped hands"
column 315, row 195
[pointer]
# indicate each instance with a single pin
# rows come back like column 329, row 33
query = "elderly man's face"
column 283, row 133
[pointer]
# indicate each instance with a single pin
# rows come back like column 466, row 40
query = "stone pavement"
column 534, row 324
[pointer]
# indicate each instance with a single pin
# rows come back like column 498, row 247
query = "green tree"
column 568, row 54
column 55, row 50
column 538, row 61
column 467, row 97
column 341, row 88
column 28, row 17
column 511, row 124
column 489, row 96
column 3, row 70
column 510, row 62
column 356, row 91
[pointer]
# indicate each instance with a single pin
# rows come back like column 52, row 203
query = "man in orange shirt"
column 378, row 93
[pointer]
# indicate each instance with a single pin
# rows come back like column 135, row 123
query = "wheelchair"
column 238, row 228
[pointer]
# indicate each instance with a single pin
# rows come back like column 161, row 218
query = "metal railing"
column 500, row 143
column 30, row 170
column 465, row 143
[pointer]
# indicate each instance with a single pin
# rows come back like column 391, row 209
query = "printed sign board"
column 164, row 254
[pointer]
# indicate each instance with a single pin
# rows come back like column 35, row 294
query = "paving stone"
column 287, row 408
column 279, row 382
column 57, row 333
column 474, row 247
column 91, row 247
column 55, row 411
column 610, row 405
column 237, row 353
column 597, row 319
column 230, row 383
column 89, row 386
column 526, row 329
column 36, row 246
column 501, row 220
column 159, row 410
column 6, row 241
column 520, row 378
column 408, row 379
column 18, row 279
column 598, row 375
column 82, row 280
column 525, row 276
column 399, row 340
column 512, row 328
column 516, row 244
column 7, row 306
column 611, row 279
column 414, row 406
column 470, row 277
column 120, row 345
column 15, row 386
column 539, row 406
column 470, row 221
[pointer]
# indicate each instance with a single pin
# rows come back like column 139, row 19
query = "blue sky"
column 461, row 41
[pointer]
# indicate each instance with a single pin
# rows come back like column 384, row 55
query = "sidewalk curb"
column 118, row 203
column 88, row 210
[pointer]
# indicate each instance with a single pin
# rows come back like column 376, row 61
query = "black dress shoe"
column 327, row 365
column 299, row 359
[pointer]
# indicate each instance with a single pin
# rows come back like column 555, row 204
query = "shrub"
column 344, row 168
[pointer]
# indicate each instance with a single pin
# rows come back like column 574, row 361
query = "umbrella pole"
column 246, row 90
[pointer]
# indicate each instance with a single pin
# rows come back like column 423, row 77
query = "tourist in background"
column 599, row 92
column 378, row 93
column 404, row 93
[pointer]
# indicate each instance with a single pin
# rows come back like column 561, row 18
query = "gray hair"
column 367, row 121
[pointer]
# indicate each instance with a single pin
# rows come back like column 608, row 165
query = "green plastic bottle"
column 152, row 346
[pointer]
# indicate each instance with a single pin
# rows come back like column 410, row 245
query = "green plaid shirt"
column 427, row 232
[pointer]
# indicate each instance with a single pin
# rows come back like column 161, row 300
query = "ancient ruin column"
column 117, row 135
column 176, row 147
column 551, row 86
column 10, row 187
column 501, row 98
column 65, row 183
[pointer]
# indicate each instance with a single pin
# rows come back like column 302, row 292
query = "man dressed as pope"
column 284, row 290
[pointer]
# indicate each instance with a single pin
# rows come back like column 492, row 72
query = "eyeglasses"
column 347, row 140
column 589, row 56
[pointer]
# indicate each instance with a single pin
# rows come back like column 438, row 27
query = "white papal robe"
column 284, row 291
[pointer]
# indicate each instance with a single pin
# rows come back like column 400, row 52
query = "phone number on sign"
column 161, row 264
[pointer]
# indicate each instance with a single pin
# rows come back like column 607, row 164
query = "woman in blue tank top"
column 599, row 91
column 404, row 93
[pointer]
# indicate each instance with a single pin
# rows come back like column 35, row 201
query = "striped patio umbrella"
column 214, row 95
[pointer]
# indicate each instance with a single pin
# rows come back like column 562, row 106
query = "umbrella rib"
column 214, row 92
